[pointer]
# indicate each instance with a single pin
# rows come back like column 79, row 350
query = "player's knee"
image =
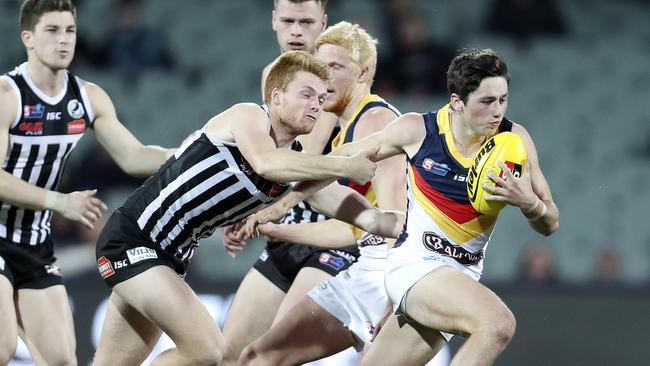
column 503, row 327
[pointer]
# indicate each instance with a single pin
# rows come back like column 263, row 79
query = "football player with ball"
column 461, row 163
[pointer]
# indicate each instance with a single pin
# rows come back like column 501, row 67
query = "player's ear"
column 323, row 23
column 365, row 74
column 456, row 102
column 27, row 38
column 275, row 96
column 274, row 21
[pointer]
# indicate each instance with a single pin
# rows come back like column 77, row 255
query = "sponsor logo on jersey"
column 77, row 126
column 105, row 268
column 331, row 261
column 436, row 168
column 275, row 190
column 440, row 245
column 140, row 253
column 33, row 111
column 31, row 128
column 75, row 109
column 120, row 264
column 53, row 116
column 53, row 270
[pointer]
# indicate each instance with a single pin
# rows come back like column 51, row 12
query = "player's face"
column 297, row 25
column 346, row 73
column 486, row 106
column 53, row 39
column 303, row 102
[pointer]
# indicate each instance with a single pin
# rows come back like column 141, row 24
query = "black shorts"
column 29, row 266
column 123, row 251
column 281, row 262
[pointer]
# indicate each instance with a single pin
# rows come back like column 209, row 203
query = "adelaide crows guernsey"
column 438, row 204
column 41, row 138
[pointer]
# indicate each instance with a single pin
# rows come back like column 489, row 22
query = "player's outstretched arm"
column 127, row 151
column 325, row 234
column 251, row 132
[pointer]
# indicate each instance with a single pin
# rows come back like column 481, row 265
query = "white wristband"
column 542, row 214
column 55, row 201
column 533, row 206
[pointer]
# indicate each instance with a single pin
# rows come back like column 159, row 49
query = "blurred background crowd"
column 580, row 85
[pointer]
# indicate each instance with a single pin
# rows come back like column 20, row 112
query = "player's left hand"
column 513, row 190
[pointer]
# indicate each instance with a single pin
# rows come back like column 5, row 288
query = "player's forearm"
column 387, row 224
column 288, row 166
column 326, row 234
column 146, row 160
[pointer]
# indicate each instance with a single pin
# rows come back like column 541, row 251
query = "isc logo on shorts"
column 140, row 253
column 105, row 268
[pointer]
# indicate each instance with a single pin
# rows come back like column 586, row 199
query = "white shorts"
column 411, row 261
column 357, row 298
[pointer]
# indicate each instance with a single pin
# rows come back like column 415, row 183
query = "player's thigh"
column 307, row 333
column 251, row 312
column 46, row 319
column 9, row 333
column 127, row 336
column 445, row 299
column 403, row 343
column 306, row 279
column 168, row 302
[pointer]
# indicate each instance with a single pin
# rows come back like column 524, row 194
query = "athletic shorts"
column 281, row 262
column 408, row 263
column 29, row 266
column 357, row 297
column 123, row 251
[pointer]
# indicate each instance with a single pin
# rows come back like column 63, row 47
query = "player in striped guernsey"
column 433, row 271
column 341, row 312
column 238, row 163
column 44, row 111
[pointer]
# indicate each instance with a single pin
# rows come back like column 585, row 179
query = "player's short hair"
column 321, row 3
column 285, row 67
column 470, row 67
column 356, row 40
column 32, row 10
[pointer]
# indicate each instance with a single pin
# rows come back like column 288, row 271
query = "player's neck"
column 48, row 80
column 359, row 93
column 279, row 132
column 467, row 142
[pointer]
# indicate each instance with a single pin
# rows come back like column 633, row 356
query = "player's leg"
column 169, row 303
column 9, row 333
column 45, row 317
column 306, row 279
column 127, row 336
column 448, row 300
column 308, row 332
column 416, row 346
column 251, row 313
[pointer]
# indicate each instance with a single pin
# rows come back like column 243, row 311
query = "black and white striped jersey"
column 205, row 185
column 41, row 138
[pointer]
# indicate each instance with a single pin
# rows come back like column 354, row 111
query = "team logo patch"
column 515, row 169
column 33, row 111
column 75, row 109
column 435, row 168
column 2, row 264
column 77, row 126
column 331, row 261
column 105, row 268
column 140, row 253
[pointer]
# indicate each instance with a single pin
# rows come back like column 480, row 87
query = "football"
column 507, row 147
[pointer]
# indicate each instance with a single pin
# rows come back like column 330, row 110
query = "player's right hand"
column 231, row 242
column 361, row 167
column 269, row 214
column 84, row 207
